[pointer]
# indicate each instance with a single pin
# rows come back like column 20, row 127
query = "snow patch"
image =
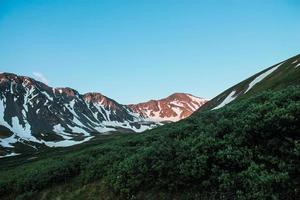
column 5, row 142
column 61, row 131
column 127, row 125
column 22, row 131
column 47, row 95
column 261, row 77
column 10, row 155
column 66, row 143
column 227, row 100
column 77, row 129
column 104, row 129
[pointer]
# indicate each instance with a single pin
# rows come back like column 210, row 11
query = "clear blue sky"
column 135, row 50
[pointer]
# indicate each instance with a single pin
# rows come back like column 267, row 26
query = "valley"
column 243, row 144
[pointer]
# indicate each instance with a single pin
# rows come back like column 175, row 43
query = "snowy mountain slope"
column 173, row 108
column 275, row 77
column 34, row 115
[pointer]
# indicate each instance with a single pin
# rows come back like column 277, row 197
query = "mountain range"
column 34, row 115
column 242, row 144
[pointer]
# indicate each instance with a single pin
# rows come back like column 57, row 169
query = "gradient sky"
column 136, row 50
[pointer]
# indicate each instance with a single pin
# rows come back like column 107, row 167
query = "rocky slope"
column 34, row 115
column 173, row 108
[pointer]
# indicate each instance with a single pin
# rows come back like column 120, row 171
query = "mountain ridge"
column 36, row 115
column 243, row 146
column 167, row 108
column 274, row 77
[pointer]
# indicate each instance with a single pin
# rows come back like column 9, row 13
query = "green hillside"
column 249, row 149
column 288, row 73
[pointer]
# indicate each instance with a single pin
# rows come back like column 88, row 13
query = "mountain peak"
column 175, row 107
column 94, row 96
column 100, row 99
column 66, row 90
column 25, row 81
column 41, row 116
column 178, row 95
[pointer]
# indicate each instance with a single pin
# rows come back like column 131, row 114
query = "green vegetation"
column 284, row 76
column 249, row 149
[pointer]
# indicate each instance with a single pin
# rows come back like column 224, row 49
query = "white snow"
column 107, row 113
column 77, row 129
column 195, row 106
column 11, row 88
column 72, row 103
column 196, row 103
column 19, row 130
column 127, row 125
column 176, row 106
column 100, row 108
column 176, row 103
column 61, row 131
column 297, row 65
column 78, row 126
column 197, row 99
column 157, row 118
column 104, row 129
column 93, row 113
column 91, row 122
column 5, row 142
column 26, row 98
column 47, row 95
column 294, row 61
column 227, row 100
column 77, row 122
column 22, row 131
column 70, row 107
column 66, row 143
column 2, row 110
column 10, row 155
column 25, row 82
column 261, row 77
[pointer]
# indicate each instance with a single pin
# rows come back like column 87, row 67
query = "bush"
column 247, row 150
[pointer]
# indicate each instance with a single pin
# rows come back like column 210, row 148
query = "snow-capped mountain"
column 173, row 108
column 275, row 77
column 34, row 115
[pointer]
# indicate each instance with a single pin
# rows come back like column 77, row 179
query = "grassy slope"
column 250, row 149
column 284, row 76
column 30, row 156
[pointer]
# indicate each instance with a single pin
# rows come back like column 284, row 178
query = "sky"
column 137, row 50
